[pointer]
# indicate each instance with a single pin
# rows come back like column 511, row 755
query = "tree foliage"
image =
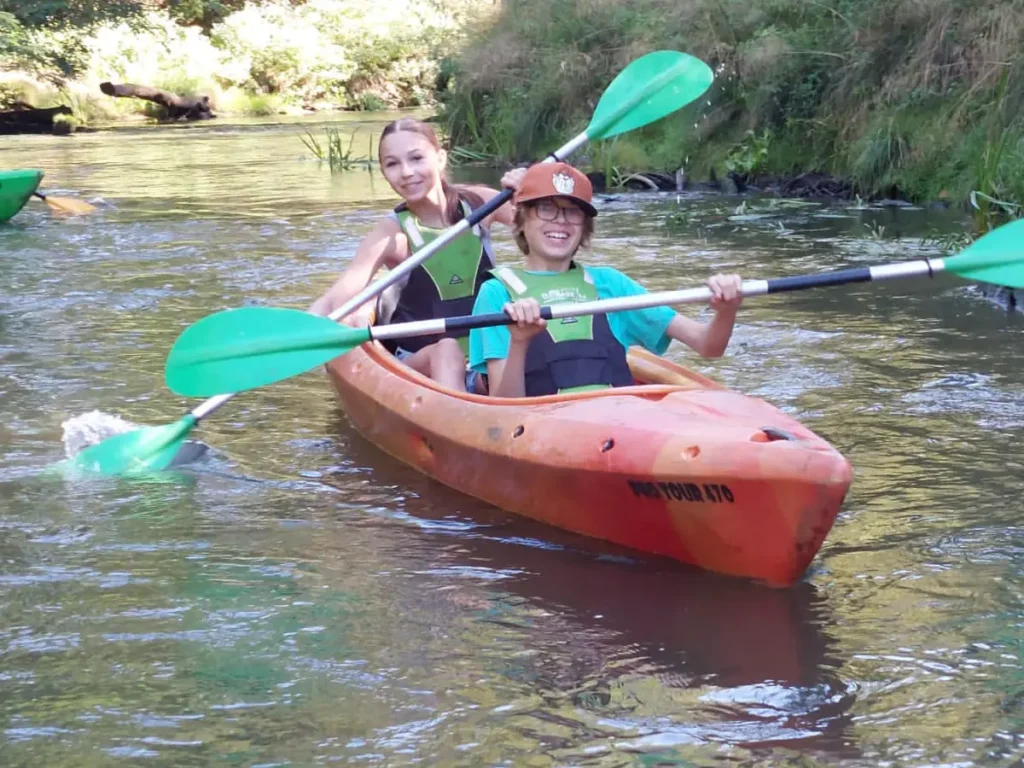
column 201, row 13
column 205, row 13
column 75, row 13
column 55, row 58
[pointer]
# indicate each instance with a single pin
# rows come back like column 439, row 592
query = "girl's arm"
column 384, row 245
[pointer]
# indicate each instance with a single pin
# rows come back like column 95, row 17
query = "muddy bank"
column 812, row 184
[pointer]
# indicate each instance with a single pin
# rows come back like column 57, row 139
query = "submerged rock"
column 1009, row 298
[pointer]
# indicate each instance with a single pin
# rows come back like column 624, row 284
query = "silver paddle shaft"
column 701, row 295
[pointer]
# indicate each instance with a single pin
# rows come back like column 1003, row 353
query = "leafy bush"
column 358, row 53
column 750, row 155
column 888, row 92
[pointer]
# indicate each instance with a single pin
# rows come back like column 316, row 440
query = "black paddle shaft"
column 800, row 282
column 485, row 210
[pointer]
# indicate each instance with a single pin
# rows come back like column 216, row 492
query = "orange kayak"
column 676, row 466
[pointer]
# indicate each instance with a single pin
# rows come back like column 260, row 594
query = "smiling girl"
column 446, row 285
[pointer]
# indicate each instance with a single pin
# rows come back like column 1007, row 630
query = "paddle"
column 647, row 90
column 241, row 349
column 66, row 204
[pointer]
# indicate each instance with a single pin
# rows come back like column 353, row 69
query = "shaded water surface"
column 301, row 598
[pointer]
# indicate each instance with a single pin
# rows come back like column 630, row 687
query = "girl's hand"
column 528, row 322
column 512, row 178
column 725, row 292
column 360, row 318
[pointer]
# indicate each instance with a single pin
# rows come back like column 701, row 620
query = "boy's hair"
column 520, row 220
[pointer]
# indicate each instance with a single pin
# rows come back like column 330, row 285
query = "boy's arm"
column 507, row 377
column 489, row 348
column 711, row 339
column 706, row 339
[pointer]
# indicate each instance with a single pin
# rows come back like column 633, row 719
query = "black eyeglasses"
column 547, row 210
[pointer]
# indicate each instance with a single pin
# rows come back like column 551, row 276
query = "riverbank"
column 904, row 99
column 263, row 59
column 910, row 100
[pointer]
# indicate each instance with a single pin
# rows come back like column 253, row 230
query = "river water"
column 300, row 598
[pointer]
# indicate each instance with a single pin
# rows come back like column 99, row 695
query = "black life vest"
column 445, row 285
column 574, row 353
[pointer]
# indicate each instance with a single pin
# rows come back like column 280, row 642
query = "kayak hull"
column 682, row 468
column 16, row 187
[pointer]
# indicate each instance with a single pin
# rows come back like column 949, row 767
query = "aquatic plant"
column 463, row 156
column 338, row 156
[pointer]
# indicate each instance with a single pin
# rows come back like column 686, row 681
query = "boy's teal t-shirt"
column 642, row 327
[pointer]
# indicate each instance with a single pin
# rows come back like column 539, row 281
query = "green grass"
column 920, row 99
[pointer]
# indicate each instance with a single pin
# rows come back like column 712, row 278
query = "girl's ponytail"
column 452, row 203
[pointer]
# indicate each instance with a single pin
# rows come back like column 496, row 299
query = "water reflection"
column 633, row 654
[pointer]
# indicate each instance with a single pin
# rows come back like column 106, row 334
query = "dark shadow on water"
column 190, row 451
column 763, row 658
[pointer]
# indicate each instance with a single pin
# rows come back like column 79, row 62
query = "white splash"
column 90, row 428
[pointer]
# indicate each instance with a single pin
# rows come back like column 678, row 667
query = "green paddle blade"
column 141, row 450
column 240, row 349
column 996, row 258
column 648, row 89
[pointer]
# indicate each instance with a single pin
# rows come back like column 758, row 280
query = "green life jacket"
column 445, row 285
column 574, row 353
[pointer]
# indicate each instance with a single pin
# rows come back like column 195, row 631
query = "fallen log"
column 30, row 120
column 178, row 107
